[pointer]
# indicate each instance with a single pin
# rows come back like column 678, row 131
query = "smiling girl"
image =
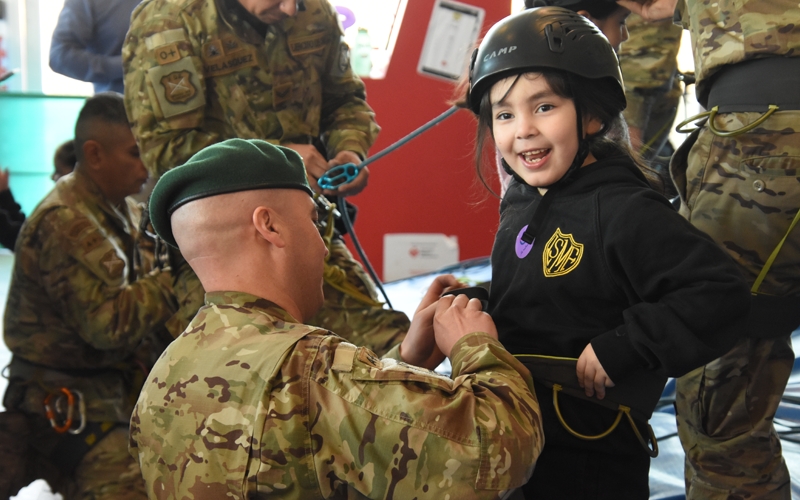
column 591, row 266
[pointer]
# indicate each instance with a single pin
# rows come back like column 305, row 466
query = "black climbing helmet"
column 543, row 38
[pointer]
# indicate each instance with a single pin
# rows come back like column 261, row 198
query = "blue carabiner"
column 345, row 173
column 339, row 175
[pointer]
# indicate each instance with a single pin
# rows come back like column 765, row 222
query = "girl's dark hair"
column 595, row 99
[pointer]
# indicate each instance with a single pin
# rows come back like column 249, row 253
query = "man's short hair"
column 106, row 107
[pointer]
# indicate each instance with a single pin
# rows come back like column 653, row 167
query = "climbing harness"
column 334, row 275
column 559, row 373
column 342, row 174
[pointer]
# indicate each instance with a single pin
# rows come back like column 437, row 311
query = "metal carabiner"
column 51, row 415
column 712, row 113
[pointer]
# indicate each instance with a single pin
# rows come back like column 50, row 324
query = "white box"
column 410, row 254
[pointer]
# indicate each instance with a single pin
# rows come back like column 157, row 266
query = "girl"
column 607, row 15
column 589, row 262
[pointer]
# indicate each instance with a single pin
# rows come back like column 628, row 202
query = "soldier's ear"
column 266, row 224
column 92, row 153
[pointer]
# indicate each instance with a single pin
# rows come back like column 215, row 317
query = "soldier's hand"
column 457, row 316
column 358, row 184
column 419, row 347
column 591, row 374
column 651, row 10
column 316, row 164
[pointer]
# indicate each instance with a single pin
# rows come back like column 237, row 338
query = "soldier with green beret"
column 251, row 402
column 197, row 73
column 85, row 319
column 738, row 177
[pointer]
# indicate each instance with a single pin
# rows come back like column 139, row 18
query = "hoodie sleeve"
column 689, row 300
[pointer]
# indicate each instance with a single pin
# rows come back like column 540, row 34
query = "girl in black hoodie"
column 593, row 270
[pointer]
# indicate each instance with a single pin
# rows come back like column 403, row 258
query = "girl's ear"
column 592, row 125
column 267, row 225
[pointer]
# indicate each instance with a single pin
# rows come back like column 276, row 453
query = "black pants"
column 574, row 474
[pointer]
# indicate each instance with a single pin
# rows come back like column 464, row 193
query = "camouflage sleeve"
column 347, row 121
column 648, row 61
column 391, row 430
column 86, row 279
column 169, row 126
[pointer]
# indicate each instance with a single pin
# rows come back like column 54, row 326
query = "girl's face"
column 535, row 129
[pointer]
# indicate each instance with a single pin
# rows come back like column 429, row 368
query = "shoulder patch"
column 177, row 87
column 77, row 227
column 112, row 264
column 167, row 54
column 164, row 38
column 343, row 357
column 561, row 254
column 343, row 60
column 308, row 44
column 226, row 55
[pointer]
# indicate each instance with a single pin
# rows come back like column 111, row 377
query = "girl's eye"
column 544, row 108
column 503, row 116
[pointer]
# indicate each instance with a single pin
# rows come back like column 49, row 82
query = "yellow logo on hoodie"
column 561, row 254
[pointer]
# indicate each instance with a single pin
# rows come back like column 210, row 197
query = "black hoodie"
column 613, row 264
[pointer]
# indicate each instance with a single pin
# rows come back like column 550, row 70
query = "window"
column 370, row 28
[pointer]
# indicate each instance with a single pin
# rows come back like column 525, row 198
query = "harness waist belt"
column 754, row 85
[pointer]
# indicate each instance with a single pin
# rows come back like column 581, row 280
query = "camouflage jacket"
column 247, row 403
column 82, row 299
column 648, row 61
column 196, row 74
column 725, row 32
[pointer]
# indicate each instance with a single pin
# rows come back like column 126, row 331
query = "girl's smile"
column 535, row 130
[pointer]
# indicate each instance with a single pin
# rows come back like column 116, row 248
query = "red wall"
column 429, row 185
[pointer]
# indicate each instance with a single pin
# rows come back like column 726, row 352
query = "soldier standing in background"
column 197, row 73
column 251, row 403
column 84, row 321
column 737, row 176
column 648, row 60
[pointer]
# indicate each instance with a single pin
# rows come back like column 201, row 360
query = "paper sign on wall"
column 452, row 32
column 409, row 254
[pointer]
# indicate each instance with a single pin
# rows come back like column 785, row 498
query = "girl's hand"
column 591, row 375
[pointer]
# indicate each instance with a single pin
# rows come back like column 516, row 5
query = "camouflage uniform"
column 196, row 74
column 648, row 60
column 744, row 192
column 248, row 403
column 84, row 311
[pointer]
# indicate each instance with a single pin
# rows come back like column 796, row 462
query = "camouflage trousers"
column 725, row 411
column 363, row 325
column 743, row 191
column 109, row 472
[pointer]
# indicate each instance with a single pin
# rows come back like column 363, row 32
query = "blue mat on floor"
column 666, row 470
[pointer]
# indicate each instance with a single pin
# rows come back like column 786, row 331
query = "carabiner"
column 712, row 113
column 51, row 415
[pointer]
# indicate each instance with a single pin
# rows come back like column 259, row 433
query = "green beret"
column 226, row 167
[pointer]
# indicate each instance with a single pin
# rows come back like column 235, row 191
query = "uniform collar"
column 244, row 300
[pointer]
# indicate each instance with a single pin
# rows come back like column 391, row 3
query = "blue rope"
column 342, row 174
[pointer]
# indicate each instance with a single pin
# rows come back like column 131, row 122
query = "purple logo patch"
column 522, row 248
